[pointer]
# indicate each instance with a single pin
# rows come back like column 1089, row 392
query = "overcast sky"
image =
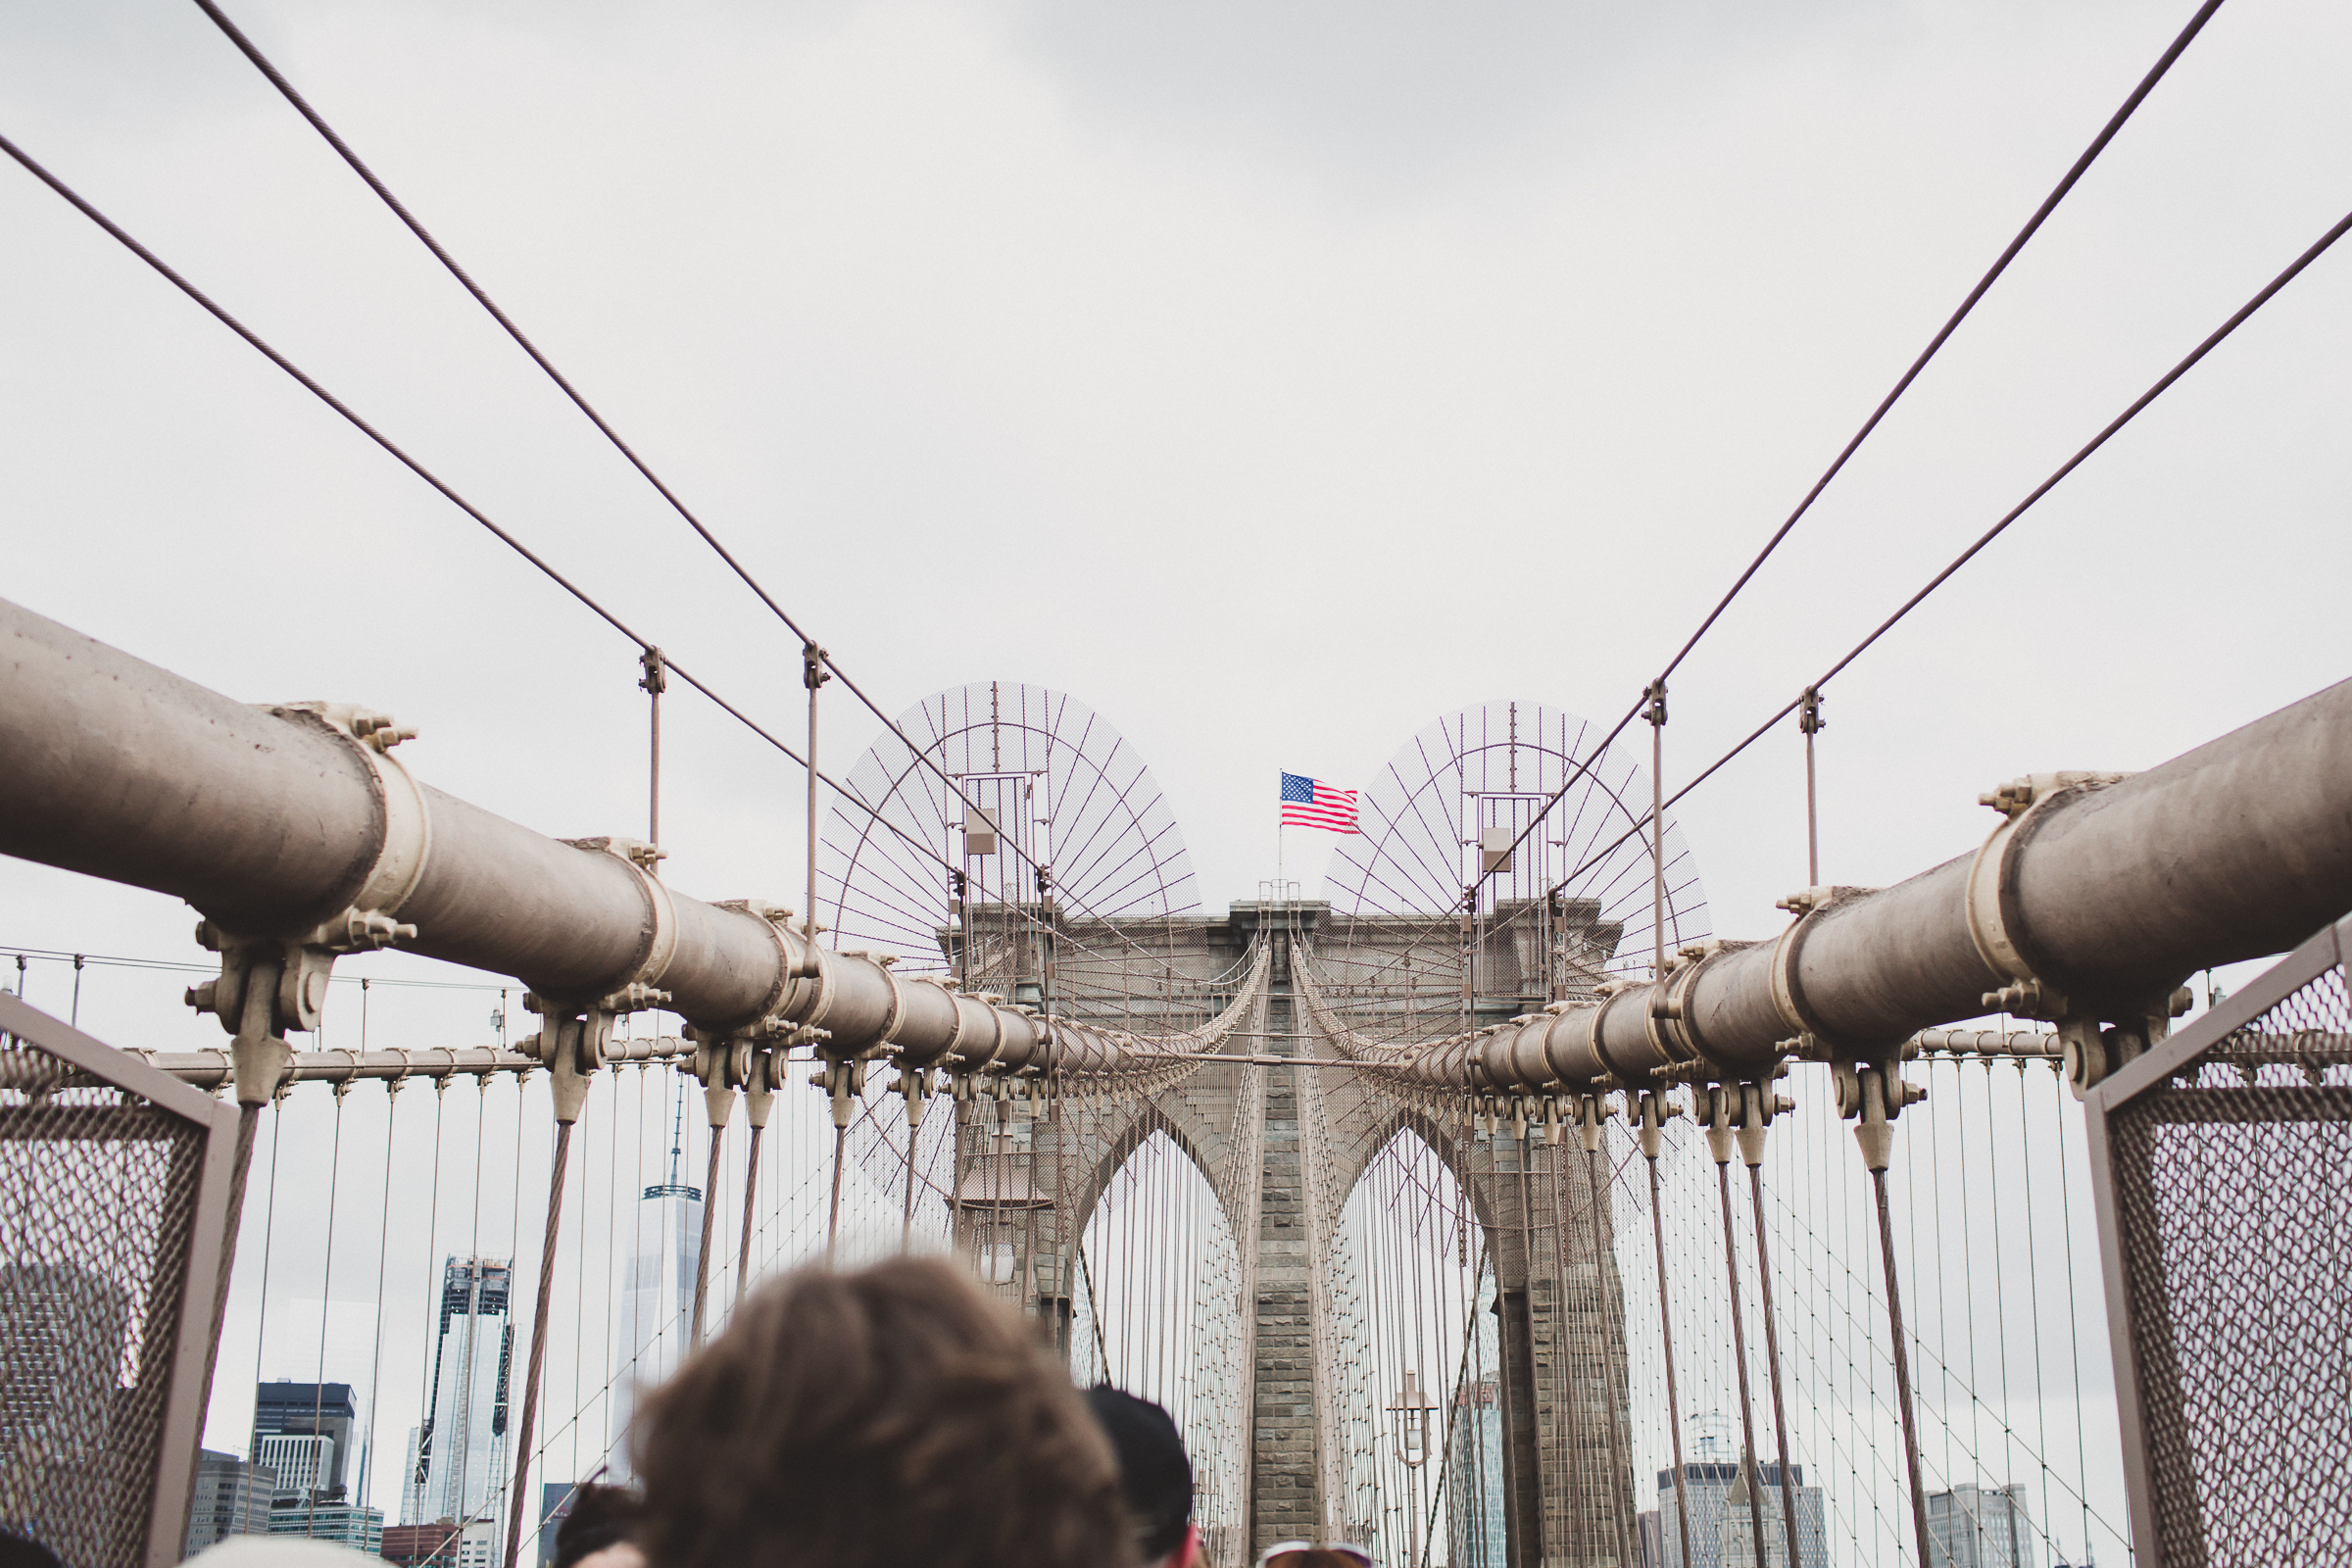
column 1271, row 377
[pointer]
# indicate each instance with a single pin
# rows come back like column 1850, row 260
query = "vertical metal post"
column 1656, row 714
column 1810, row 721
column 654, row 682
column 813, row 675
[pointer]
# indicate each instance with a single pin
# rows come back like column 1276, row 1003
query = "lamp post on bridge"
column 1411, row 1407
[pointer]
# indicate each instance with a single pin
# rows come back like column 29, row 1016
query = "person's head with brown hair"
column 888, row 1418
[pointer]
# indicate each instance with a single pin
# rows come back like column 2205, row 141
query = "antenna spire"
column 677, row 1134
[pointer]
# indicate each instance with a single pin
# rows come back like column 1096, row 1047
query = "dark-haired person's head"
column 600, row 1528
column 22, row 1551
column 896, row 1418
column 1155, row 1476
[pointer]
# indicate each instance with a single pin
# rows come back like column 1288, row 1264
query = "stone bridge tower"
column 1281, row 1147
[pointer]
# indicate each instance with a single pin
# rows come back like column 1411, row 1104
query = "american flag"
column 1312, row 803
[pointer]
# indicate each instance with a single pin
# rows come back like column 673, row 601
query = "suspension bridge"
column 1482, row 1204
column 1489, row 1208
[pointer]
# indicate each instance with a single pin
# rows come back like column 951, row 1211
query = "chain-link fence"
column 2223, row 1163
column 114, row 1197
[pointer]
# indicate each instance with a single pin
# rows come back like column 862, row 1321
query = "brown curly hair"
column 891, row 1417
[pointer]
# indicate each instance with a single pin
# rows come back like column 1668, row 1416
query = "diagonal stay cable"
column 358, row 166
column 311, row 385
column 2049, row 204
column 2212, row 341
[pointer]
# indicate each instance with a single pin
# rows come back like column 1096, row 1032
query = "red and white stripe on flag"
column 1312, row 803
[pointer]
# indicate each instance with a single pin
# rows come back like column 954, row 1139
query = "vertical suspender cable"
column 2073, row 1320
column 2000, row 1295
column 702, row 1270
column 1719, row 1141
column 2033, row 1301
column 1877, row 1138
column 326, row 1296
column 1501, row 1362
column 999, row 1214
column 960, row 1105
column 1903, row 1362
column 1597, row 1173
column 547, row 1281
column 840, row 1141
column 1571, row 1435
column 384, row 1252
column 278, row 1127
column 1674, row 1414
column 1772, row 1346
column 751, row 1174
column 914, row 1127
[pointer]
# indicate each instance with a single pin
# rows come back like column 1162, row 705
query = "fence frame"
column 213, row 1231
column 2155, row 1068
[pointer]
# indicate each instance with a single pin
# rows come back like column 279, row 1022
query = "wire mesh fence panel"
column 2231, row 1243
column 102, row 1191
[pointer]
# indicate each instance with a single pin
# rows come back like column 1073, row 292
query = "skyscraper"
column 61, row 1346
column 657, row 1297
column 231, row 1498
column 303, row 1430
column 304, row 1464
column 361, row 1529
column 1980, row 1527
column 62, row 1335
column 1722, row 1528
column 456, row 1460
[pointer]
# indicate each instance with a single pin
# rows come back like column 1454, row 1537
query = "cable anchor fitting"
column 1808, row 712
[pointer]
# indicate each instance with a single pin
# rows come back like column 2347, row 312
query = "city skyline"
column 455, row 1458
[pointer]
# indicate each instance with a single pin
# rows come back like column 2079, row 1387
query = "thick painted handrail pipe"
column 2094, row 899
column 276, row 821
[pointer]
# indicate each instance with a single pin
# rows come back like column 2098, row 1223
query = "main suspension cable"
column 481, row 297
column 644, row 645
column 2212, row 341
column 312, row 386
column 2049, row 204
